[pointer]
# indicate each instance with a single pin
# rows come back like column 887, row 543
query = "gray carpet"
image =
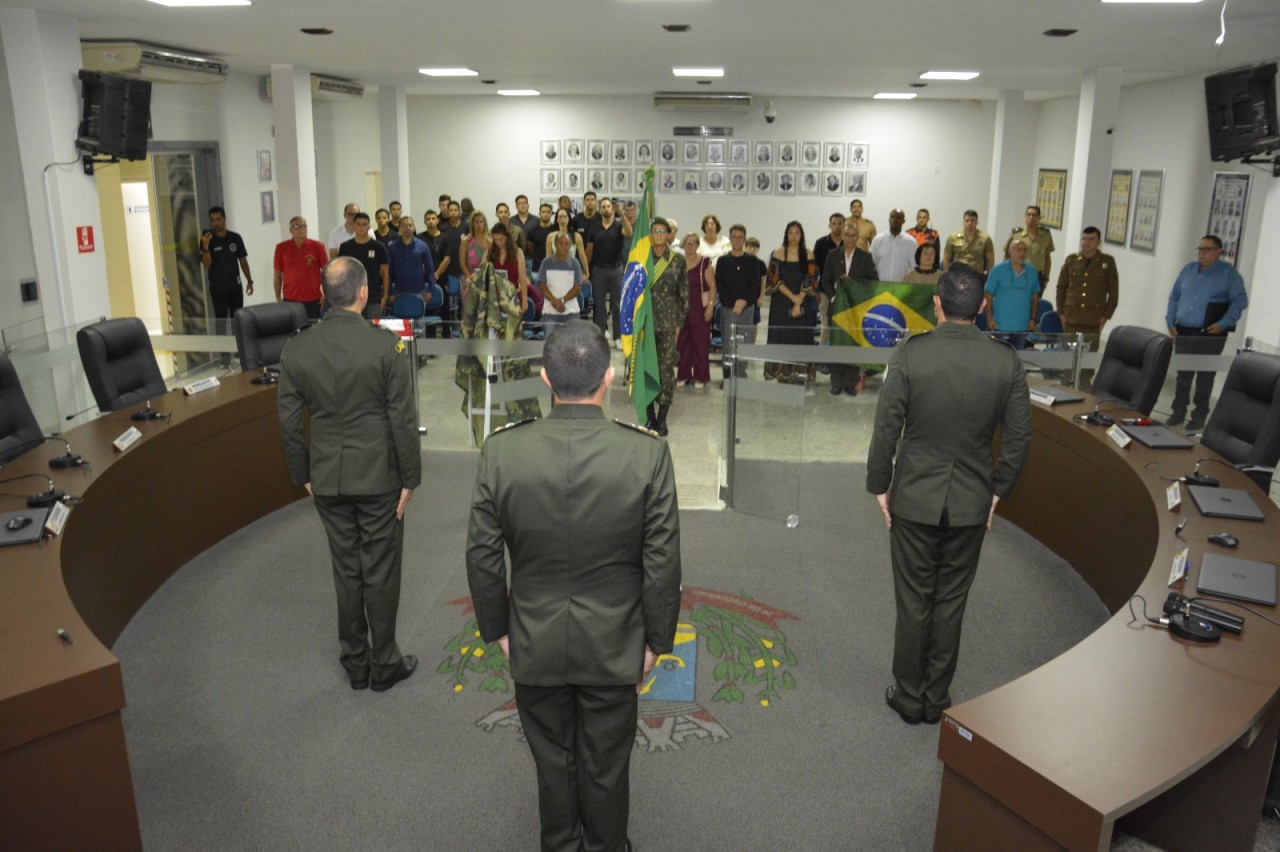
column 243, row 733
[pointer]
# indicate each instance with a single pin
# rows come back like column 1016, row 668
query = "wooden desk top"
column 1130, row 711
column 212, row 468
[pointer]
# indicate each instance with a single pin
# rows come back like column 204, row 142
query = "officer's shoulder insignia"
column 509, row 426
column 400, row 346
column 1014, row 230
column 644, row 430
column 303, row 328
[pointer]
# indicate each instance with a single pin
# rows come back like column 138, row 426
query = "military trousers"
column 933, row 568
column 581, row 738
column 365, row 543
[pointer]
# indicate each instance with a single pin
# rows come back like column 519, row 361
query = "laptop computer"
column 1157, row 437
column 1056, row 392
column 28, row 532
column 1225, row 503
column 1242, row 579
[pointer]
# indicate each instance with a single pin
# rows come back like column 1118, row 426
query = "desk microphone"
column 270, row 376
column 57, row 462
column 80, row 412
column 42, row 499
column 147, row 413
column 1227, row 621
column 1198, row 478
column 1095, row 418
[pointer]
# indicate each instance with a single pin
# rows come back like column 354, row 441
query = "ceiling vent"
column 702, row 101
column 151, row 62
column 325, row 89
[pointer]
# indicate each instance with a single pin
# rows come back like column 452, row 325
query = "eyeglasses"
column 298, row 226
column 1207, row 248
column 659, row 231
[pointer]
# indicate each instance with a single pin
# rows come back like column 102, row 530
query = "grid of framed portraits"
column 705, row 166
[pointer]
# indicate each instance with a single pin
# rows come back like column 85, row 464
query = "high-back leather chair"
column 1133, row 367
column 119, row 362
column 262, row 331
column 19, row 430
column 1245, row 426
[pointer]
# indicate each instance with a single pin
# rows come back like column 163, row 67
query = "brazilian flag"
column 879, row 313
column 635, row 319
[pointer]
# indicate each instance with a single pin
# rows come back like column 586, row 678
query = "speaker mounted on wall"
column 116, row 121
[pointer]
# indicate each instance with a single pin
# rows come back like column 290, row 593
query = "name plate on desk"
column 1181, row 562
column 201, row 386
column 57, row 518
column 1042, row 397
column 1173, row 495
column 1119, row 436
column 127, row 439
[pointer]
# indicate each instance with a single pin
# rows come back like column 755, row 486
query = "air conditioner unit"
column 151, row 62
column 703, row 101
column 324, row 88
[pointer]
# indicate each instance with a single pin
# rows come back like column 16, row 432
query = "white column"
column 42, row 58
column 295, row 149
column 1012, row 169
column 393, row 120
column 1089, row 181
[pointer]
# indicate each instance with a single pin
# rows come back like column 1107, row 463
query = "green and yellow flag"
column 636, row 313
column 878, row 313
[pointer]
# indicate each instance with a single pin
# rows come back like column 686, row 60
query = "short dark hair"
column 218, row 210
column 588, row 194
column 395, row 204
column 658, row 220
column 924, row 210
column 382, row 210
column 1213, row 238
column 1092, row 230
column 1035, row 207
column 444, row 196
column 936, row 254
column 522, row 195
column 973, row 213
column 359, row 216
column 835, row 215
column 741, row 229
column 576, row 357
column 960, row 289
column 341, row 281
column 546, row 205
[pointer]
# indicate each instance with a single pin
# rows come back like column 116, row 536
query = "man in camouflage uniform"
column 669, row 290
column 491, row 302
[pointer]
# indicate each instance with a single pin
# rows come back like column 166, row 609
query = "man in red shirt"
column 298, row 264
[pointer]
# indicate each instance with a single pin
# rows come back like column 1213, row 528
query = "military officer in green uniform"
column 930, row 467
column 585, row 617
column 1039, row 244
column 1088, row 292
column 361, row 466
column 669, row 290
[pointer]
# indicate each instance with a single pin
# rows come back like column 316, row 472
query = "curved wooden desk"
column 211, row 469
column 1170, row 739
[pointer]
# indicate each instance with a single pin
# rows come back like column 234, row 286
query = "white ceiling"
column 777, row 48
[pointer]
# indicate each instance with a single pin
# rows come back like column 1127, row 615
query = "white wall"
column 348, row 144
column 19, row 260
column 934, row 154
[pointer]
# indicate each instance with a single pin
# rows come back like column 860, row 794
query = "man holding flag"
column 655, row 300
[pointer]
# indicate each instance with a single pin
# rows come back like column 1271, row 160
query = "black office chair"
column 119, row 363
column 1245, row 426
column 1133, row 367
column 19, row 430
column 262, row 331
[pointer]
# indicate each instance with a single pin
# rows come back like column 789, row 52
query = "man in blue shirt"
column 1207, row 300
column 412, row 267
column 1013, row 291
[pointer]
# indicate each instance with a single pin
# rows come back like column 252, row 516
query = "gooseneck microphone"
column 1227, row 621
column 147, row 413
column 270, row 376
column 42, row 499
column 57, row 462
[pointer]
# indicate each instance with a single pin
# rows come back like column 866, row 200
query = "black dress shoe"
column 407, row 667
column 835, row 390
column 934, row 716
column 360, row 683
column 851, row 390
column 889, row 695
column 661, row 428
column 1174, row 419
column 1194, row 425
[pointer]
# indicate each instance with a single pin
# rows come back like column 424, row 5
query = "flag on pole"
column 639, row 348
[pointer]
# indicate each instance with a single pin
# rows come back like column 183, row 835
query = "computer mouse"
column 1225, row 539
column 18, row 522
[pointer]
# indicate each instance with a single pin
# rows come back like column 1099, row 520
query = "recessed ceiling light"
column 676, row 28
column 698, row 72
column 1150, row 1
column 519, row 93
column 1059, row 32
column 317, row 31
column 202, row 2
column 448, row 72
column 948, row 75
column 893, row 96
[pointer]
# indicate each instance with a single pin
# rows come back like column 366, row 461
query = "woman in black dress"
column 793, row 305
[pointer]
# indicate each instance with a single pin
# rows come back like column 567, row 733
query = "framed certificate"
column 1226, row 211
column 1051, row 196
column 1118, row 206
column 1146, row 210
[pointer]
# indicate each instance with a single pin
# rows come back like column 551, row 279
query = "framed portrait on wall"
column 764, row 154
column 621, row 181
column 264, row 166
column 714, row 180
column 644, row 152
column 573, row 152
column 1226, row 211
column 691, row 152
column 597, row 180
column 785, row 182
column 691, row 180
column 549, row 152
column 574, row 181
column 597, row 152
column 268, row 202
column 621, row 155
column 739, row 180
column 762, row 182
column 855, row 183
column 811, row 154
column 637, row 180
column 550, row 179
column 787, row 155
column 667, row 152
column 739, row 152
column 1118, row 206
column 714, row 152
column 1146, row 210
column 833, row 155
column 668, row 180
column 832, row 183
column 859, row 155
column 807, row 181
column 1051, row 196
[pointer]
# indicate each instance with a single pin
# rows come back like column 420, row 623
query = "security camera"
column 770, row 114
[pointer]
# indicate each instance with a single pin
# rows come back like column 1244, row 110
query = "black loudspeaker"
column 117, row 115
column 1241, row 108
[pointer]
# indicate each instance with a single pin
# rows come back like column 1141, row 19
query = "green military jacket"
column 354, row 380
column 587, row 509
column 1088, row 289
column 944, row 394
